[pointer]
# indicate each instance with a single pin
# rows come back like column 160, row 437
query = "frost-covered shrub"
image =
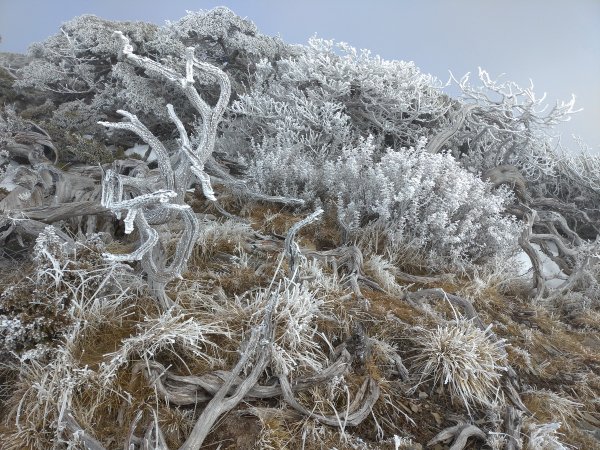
column 79, row 66
column 321, row 124
column 306, row 109
column 78, row 60
column 284, row 169
column 426, row 201
column 507, row 124
column 511, row 124
column 221, row 34
column 10, row 124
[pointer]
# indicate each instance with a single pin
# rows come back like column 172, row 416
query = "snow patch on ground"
column 550, row 270
column 141, row 149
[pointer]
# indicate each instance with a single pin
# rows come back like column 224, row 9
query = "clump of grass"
column 544, row 437
column 163, row 332
column 548, row 405
column 462, row 357
column 43, row 395
column 216, row 237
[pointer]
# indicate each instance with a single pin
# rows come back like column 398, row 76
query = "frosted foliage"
column 284, row 170
column 81, row 62
column 308, row 117
column 10, row 123
column 426, row 201
column 327, row 95
column 575, row 174
column 222, row 26
column 137, row 95
column 78, row 59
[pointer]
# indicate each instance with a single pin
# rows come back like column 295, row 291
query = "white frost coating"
column 129, row 220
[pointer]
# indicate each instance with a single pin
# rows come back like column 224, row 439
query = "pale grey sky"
column 556, row 43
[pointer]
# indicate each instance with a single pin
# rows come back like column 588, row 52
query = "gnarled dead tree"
column 152, row 200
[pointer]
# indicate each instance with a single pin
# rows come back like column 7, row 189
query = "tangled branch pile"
column 316, row 248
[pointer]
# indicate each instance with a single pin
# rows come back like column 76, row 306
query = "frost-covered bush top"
column 426, row 201
column 222, row 28
column 327, row 94
column 79, row 70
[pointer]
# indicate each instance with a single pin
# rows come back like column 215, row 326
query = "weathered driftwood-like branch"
column 439, row 294
column 29, row 145
column 439, row 140
column 184, row 390
column 510, row 176
column 357, row 411
column 42, row 184
column 348, row 261
column 258, row 347
column 162, row 156
column 131, row 441
column 564, row 208
column 460, row 434
column 194, row 158
column 24, row 227
column 510, row 383
column 399, row 369
column 89, row 442
column 154, row 438
column 557, row 240
column 420, row 279
column 554, row 220
column 64, row 211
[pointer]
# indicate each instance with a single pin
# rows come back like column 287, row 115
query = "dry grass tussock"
column 463, row 359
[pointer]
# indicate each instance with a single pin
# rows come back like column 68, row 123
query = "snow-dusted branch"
column 210, row 117
column 148, row 137
column 292, row 250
